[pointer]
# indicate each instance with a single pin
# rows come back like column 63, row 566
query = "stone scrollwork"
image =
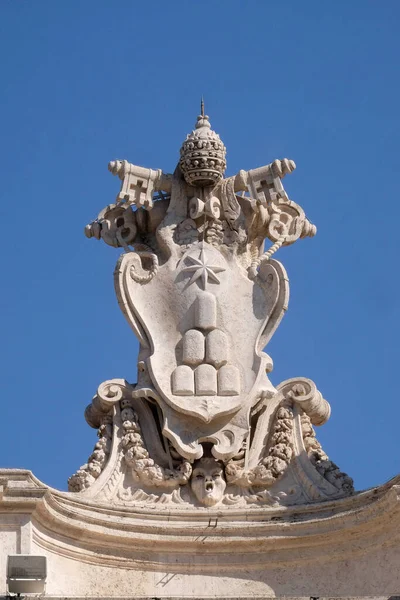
column 115, row 225
column 204, row 426
column 287, row 220
column 137, row 271
column 305, row 394
column 207, row 481
column 108, row 394
column 99, row 415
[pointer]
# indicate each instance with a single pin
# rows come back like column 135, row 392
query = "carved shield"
column 202, row 325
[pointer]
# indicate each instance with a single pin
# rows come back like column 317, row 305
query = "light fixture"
column 26, row 574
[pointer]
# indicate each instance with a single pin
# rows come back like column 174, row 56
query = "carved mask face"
column 127, row 414
column 208, row 481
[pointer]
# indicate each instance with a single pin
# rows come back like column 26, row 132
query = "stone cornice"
column 78, row 528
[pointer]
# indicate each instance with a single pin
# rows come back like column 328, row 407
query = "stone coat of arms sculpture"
column 207, row 481
column 204, row 426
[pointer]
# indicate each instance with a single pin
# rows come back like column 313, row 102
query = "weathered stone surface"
column 228, row 380
column 217, row 348
column 193, row 347
column 205, row 311
column 204, row 300
column 206, row 480
column 205, row 377
column 340, row 548
column 183, row 381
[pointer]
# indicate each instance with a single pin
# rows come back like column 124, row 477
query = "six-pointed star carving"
column 203, row 269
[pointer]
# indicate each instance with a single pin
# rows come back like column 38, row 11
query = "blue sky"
column 87, row 82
